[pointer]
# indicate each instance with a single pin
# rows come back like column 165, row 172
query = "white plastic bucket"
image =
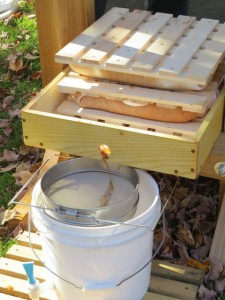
column 7, row 7
column 102, row 262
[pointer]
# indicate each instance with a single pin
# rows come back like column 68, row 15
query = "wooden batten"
column 148, row 50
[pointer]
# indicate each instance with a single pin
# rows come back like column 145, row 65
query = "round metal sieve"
column 84, row 191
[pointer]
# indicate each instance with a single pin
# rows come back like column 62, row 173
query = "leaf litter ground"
column 191, row 213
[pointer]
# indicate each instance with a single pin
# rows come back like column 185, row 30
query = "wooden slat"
column 168, row 270
column 173, row 288
column 75, row 47
column 23, row 253
column 189, row 102
column 8, row 297
column 188, row 129
column 153, row 296
column 161, row 52
column 114, row 37
column 23, row 239
column 147, row 60
column 18, row 287
column 176, row 62
column 139, row 39
column 14, row 268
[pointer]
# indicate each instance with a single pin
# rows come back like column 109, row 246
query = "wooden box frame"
column 161, row 152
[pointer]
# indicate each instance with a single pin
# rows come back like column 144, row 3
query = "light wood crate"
column 158, row 150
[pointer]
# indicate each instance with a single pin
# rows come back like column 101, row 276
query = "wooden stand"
column 58, row 23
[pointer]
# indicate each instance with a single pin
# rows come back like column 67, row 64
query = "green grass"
column 18, row 36
column 5, row 245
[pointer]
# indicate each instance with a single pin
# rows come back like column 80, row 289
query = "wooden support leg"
column 59, row 22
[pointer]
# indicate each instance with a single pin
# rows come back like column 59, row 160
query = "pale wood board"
column 172, row 288
column 8, row 297
column 115, row 91
column 23, row 253
column 175, row 272
column 153, row 296
column 18, row 287
column 14, row 268
column 160, row 152
column 77, row 45
column 179, row 52
column 187, row 130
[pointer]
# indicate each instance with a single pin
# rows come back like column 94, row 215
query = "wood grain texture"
column 58, row 22
column 163, row 152
column 151, row 50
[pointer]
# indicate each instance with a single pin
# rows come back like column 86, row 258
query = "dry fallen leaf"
column 10, row 156
column 17, row 65
column 185, row 235
column 7, row 215
column 198, row 265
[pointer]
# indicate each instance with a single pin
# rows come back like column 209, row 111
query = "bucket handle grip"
column 109, row 284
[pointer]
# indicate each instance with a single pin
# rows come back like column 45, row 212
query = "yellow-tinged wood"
column 58, row 22
column 217, row 154
column 23, row 253
column 24, row 238
column 14, row 268
column 167, row 153
column 210, row 130
column 153, row 296
column 176, row 272
column 18, row 287
column 218, row 245
column 8, row 297
column 115, row 91
column 173, row 288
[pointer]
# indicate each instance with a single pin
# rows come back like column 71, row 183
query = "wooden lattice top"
column 150, row 50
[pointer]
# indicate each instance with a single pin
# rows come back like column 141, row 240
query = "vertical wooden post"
column 58, row 22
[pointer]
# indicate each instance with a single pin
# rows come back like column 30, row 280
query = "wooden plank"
column 171, row 271
column 204, row 64
column 147, row 60
column 187, row 130
column 182, row 54
column 217, row 154
column 18, row 287
column 8, row 297
column 68, row 19
column 76, row 46
column 218, row 244
column 23, row 253
column 189, row 102
column 210, row 129
column 138, row 40
column 173, row 288
column 23, row 239
column 14, row 268
column 153, row 296
column 112, row 39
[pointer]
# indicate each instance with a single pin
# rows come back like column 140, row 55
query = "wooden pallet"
column 149, row 50
column 168, row 281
